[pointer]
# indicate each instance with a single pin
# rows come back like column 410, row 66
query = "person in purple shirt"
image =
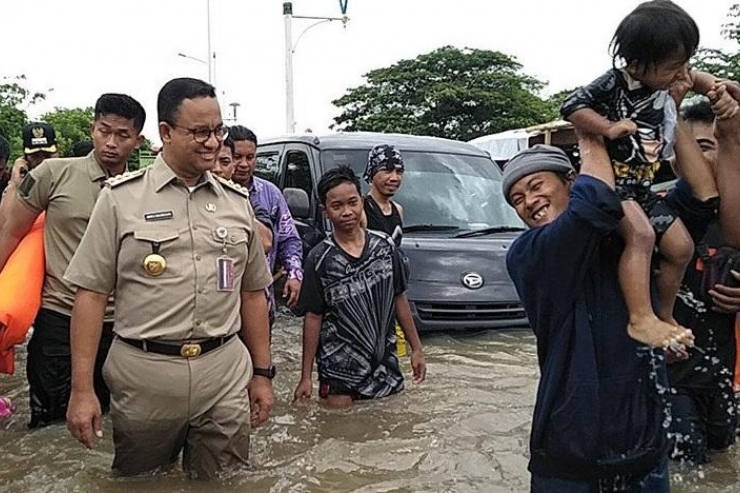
column 286, row 245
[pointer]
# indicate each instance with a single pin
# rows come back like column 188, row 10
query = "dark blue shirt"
column 600, row 410
column 711, row 363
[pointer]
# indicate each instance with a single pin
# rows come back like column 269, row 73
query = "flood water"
column 463, row 430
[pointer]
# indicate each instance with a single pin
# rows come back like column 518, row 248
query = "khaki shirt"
column 153, row 211
column 67, row 190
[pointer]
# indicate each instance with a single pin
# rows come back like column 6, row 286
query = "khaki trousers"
column 161, row 405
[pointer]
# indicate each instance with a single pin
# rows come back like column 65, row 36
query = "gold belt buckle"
column 190, row 350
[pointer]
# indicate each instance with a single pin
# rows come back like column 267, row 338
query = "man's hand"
column 676, row 354
column 19, row 171
column 291, row 291
column 419, row 365
column 260, row 399
column 84, row 418
column 723, row 104
column 620, row 129
column 303, row 390
column 726, row 299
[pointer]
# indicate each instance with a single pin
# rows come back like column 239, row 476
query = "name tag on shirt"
column 225, row 276
column 158, row 216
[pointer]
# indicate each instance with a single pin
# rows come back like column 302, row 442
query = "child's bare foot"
column 656, row 333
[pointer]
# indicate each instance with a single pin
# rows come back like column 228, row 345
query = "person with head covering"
column 384, row 173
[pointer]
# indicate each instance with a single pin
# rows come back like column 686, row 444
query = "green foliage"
column 14, row 99
column 72, row 125
column 453, row 93
column 720, row 63
column 142, row 157
column 557, row 99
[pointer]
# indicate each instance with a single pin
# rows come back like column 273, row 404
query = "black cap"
column 38, row 136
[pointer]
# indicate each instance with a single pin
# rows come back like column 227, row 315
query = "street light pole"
column 289, row 116
column 289, row 50
column 210, row 53
column 234, row 107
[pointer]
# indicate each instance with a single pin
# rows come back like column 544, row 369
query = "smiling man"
column 180, row 249
column 599, row 417
column 66, row 189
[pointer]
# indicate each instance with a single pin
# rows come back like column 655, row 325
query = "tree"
column 717, row 62
column 14, row 99
column 453, row 93
column 71, row 125
column 557, row 99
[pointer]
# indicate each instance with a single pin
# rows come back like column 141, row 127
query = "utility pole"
column 210, row 53
column 289, row 116
column 234, row 107
column 290, row 50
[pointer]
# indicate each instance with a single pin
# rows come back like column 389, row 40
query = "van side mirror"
column 298, row 204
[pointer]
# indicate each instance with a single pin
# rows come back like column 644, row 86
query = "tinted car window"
column 442, row 189
column 298, row 171
column 267, row 166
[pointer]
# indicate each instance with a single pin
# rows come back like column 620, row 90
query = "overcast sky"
column 83, row 48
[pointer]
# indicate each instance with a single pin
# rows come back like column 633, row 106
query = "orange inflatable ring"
column 21, row 284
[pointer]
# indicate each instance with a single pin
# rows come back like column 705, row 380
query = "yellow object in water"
column 400, row 342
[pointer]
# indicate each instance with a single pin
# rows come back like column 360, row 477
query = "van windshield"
column 458, row 192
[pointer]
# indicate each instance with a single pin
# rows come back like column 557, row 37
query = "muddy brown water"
column 463, row 430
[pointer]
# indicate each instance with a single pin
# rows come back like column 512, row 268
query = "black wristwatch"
column 265, row 372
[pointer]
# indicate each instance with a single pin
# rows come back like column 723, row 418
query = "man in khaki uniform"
column 179, row 247
column 39, row 143
column 67, row 190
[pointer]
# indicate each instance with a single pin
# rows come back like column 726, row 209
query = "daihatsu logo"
column 472, row 280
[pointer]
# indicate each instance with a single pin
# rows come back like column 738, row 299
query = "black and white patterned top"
column 616, row 96
column 355, row 297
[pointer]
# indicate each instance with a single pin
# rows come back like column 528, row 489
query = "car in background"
column 457, row 225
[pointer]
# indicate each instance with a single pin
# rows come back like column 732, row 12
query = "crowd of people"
column 169, row 272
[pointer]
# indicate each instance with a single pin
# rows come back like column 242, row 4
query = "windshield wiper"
column 429, row 227
column 488, row 231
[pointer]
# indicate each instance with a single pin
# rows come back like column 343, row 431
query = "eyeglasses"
column 201, row 135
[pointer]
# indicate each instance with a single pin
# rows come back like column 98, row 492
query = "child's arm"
column 702, row 82
column 591, row 122
column 311, row 329
column 406, row 321
column 723, row 104
column 580, row 108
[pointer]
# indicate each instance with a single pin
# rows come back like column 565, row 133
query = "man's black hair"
column 654, row 32
column 176, row 91
column 82, row 148
column 229, row 142
column 121, row 105
column 4, row 149
column 240, row 132
column 335, row 177
column 697, row 110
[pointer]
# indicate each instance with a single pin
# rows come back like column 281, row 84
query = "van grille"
column 472, row 312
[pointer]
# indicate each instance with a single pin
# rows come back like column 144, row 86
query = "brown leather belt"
column 186, row 350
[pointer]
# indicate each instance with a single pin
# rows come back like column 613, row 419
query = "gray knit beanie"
column 533, row 160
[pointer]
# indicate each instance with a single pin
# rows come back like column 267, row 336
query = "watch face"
column 265, row 372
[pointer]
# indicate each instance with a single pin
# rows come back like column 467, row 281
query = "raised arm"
column 728, row 171
column 594, row 158
column 691, row 165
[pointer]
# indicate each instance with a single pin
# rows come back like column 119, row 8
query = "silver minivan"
column 457, row 225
